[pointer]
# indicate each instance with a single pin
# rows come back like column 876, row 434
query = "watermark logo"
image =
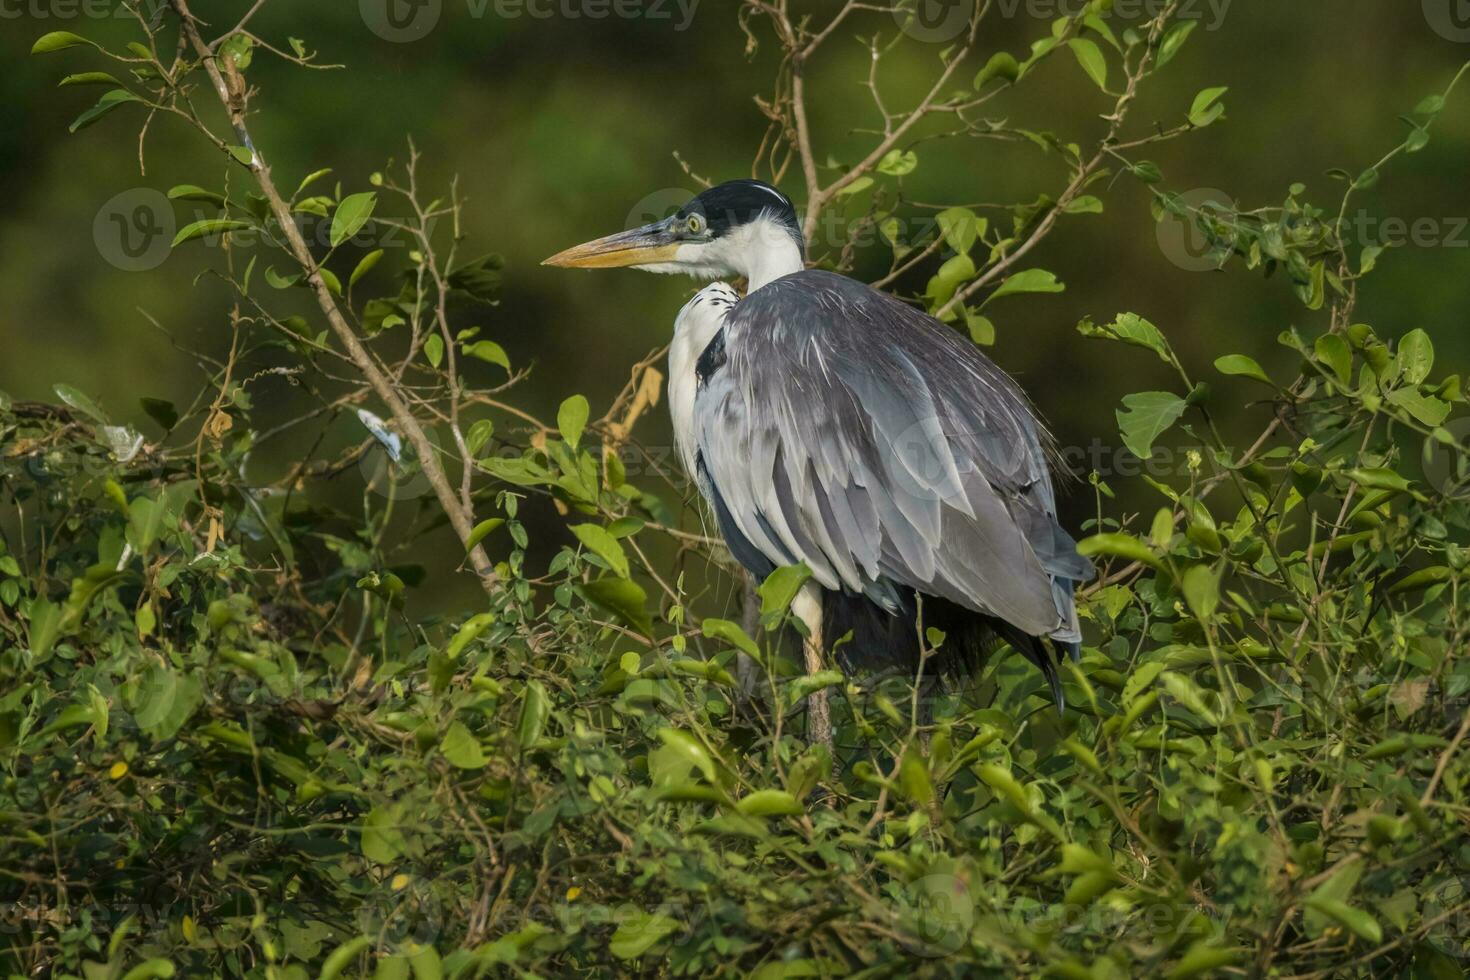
column 404, row 912
column 1445, row 467
column 1447, row 905
column 1182, row 238
column 661, row 204
column 151, row 10
column 405, row 21
column 134, row 230
column 1450, row 19
column 936, row 914
column 389, row 467
column 1210, row 13
column 934, row 21
column 401, row 21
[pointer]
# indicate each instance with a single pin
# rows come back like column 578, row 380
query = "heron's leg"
column 928, row 690
column 808, row 608
column 747, row 671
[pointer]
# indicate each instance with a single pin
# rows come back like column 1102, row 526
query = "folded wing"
column 849, row 431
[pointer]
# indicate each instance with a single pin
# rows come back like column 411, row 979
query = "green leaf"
column 80, row 402
column 479, row 434
column 191, row 192
column 104, row 105
column 946, row 282
column 426, row 964
column 780, row 589
column 623, row 598
column 434, row 349
column 468, row 633
column 982, row 331
column 154, row 969
column 1116, row 545
column 58, row 41
column 1333, row 351
column 1416, row 357
column 352, row 214
column 1183, row 689
column 1358, row 922
column 240, row 49
column 639, row 932
column 160, row 412
column 461, row 749
column 897, row 163
column 571, row 419
column 535, row 706
column 1240, row 365
column 1201, row 588
column 1001, row 65
column 1146, row 416
column 209, row 227
column 770, row 803
column 481, row 531
column 277, row 281
column 914, row 780
column 960, row 228
column 1129, row 328
column 1029, row 281
column 382, row 840
column 998, row 777
column 1378, row 479
column 1425, row 408
column 1174, row 40
column 1207, row 107
column 690, row 749
column 1203, row 959
column 163, row 699
column 343, row 956
column 145, row 521
column 365, row 266
column 806, row 685
column 488, row 351
column 733, row 634
column 1422, row 579
column 45, row 627
column 89, row 78
column 605, row 546
column 1091, row 58
column 310, row 179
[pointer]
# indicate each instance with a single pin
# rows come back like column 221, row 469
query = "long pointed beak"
column 648, row 245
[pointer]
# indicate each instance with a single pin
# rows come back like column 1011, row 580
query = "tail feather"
column 880, row 640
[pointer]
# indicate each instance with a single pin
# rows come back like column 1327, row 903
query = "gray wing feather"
column 830, row 444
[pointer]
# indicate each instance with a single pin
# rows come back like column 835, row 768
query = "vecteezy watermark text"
column 80, row 9
column 405, row 21
column 942, row 21
column 1210, row 13
column 1184, row 240
column 134, row 230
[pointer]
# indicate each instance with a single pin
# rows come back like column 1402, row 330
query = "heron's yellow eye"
column 695, row 224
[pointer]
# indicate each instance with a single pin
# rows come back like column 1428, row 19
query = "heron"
column 828, row 423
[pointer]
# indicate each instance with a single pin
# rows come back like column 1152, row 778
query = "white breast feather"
column 696, row 325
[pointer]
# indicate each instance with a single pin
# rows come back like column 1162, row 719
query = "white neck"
column 763, row 252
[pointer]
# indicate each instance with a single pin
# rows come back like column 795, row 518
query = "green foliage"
column 234, row 743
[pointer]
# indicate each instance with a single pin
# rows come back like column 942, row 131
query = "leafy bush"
column 234, row 744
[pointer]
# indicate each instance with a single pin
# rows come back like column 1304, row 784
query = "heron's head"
column 740, row 228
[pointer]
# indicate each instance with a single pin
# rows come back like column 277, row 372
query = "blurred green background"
column 559, row 125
